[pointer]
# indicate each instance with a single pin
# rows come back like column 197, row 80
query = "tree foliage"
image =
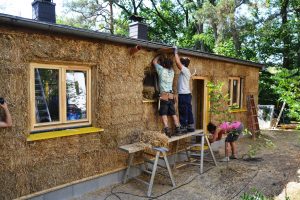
column 287, row 85
column 217, row 100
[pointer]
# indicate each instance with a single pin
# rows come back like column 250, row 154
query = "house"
column 75, row 95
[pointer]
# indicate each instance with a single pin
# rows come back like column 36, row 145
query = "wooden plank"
column 176, row 138
column 135, row 147
column 140, row 146
column 279, row 116
column 165, row 50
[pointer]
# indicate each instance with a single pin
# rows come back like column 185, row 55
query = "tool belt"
column 166, row 96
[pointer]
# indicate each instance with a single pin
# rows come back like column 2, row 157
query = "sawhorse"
column 196, row 133
column 132, row 149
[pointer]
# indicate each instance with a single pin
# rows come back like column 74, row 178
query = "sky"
column 23, row 8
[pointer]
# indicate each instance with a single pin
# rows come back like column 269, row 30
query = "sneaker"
column 167, row 131
column 190, row 128
column 233, row 157
column 226, row 159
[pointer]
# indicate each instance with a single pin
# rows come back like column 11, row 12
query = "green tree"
column 218, row 102
column 287, row 86
column 221, row 17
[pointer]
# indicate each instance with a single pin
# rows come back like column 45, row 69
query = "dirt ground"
column 276, row 174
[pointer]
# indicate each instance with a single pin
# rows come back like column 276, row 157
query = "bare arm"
column 8, row 121
column 177, row 59
column 217, row 135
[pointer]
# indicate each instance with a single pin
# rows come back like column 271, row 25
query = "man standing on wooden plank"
column 8, row 120
column 165, row 71
column 184, row 93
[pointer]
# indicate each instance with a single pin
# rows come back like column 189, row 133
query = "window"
column 60, row 96
column 235, row 91
column 150, row 85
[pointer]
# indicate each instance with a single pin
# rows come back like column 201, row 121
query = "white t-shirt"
column 184, row 81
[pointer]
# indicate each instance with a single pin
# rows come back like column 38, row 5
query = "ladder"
column 252, row 116
column 41, row 107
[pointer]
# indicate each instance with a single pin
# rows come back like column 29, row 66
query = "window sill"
column 237, row 110
column 62, row 133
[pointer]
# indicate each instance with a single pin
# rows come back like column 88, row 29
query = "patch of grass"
column 262, row 143
column 256, row 195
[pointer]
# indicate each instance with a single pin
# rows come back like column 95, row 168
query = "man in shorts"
column 165, row 71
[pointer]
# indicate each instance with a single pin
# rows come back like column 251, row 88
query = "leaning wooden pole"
column 279, row 116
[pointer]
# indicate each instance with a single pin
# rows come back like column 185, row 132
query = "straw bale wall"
column 117, row 85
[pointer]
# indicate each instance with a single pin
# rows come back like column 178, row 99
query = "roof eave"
column 57, row 28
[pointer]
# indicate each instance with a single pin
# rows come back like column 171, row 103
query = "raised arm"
column 155, row 60
column 177, row 59
column 8, row 120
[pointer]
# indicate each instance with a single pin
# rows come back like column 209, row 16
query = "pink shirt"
column 227, row 126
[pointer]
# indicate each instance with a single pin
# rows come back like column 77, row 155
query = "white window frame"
column 63, row 122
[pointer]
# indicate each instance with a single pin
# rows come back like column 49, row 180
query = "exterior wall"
column 117, row 84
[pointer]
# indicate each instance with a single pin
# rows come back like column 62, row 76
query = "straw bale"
column 8, row 183
column 154, row 138
column 52, row 172
column 91, row 163
column 149, row 92
column 89, row 143
column 52, row 149
column 22, row 180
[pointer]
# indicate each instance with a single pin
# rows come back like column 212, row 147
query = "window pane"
column 76, row 95
column 46, row 95
column 241, row 92
column 235, row 92
column 229, row 90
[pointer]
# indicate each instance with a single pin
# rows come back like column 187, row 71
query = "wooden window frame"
column 63, row 122
column 240, row 90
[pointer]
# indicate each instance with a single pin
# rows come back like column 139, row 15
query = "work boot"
column 178, row 131
column 190, row 128
column 167, row 131
column 183, row 129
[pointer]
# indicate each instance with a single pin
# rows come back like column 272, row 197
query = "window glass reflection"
column 76, row 95
column 46, row 95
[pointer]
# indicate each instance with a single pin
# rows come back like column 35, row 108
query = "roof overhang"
column 68, row 30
